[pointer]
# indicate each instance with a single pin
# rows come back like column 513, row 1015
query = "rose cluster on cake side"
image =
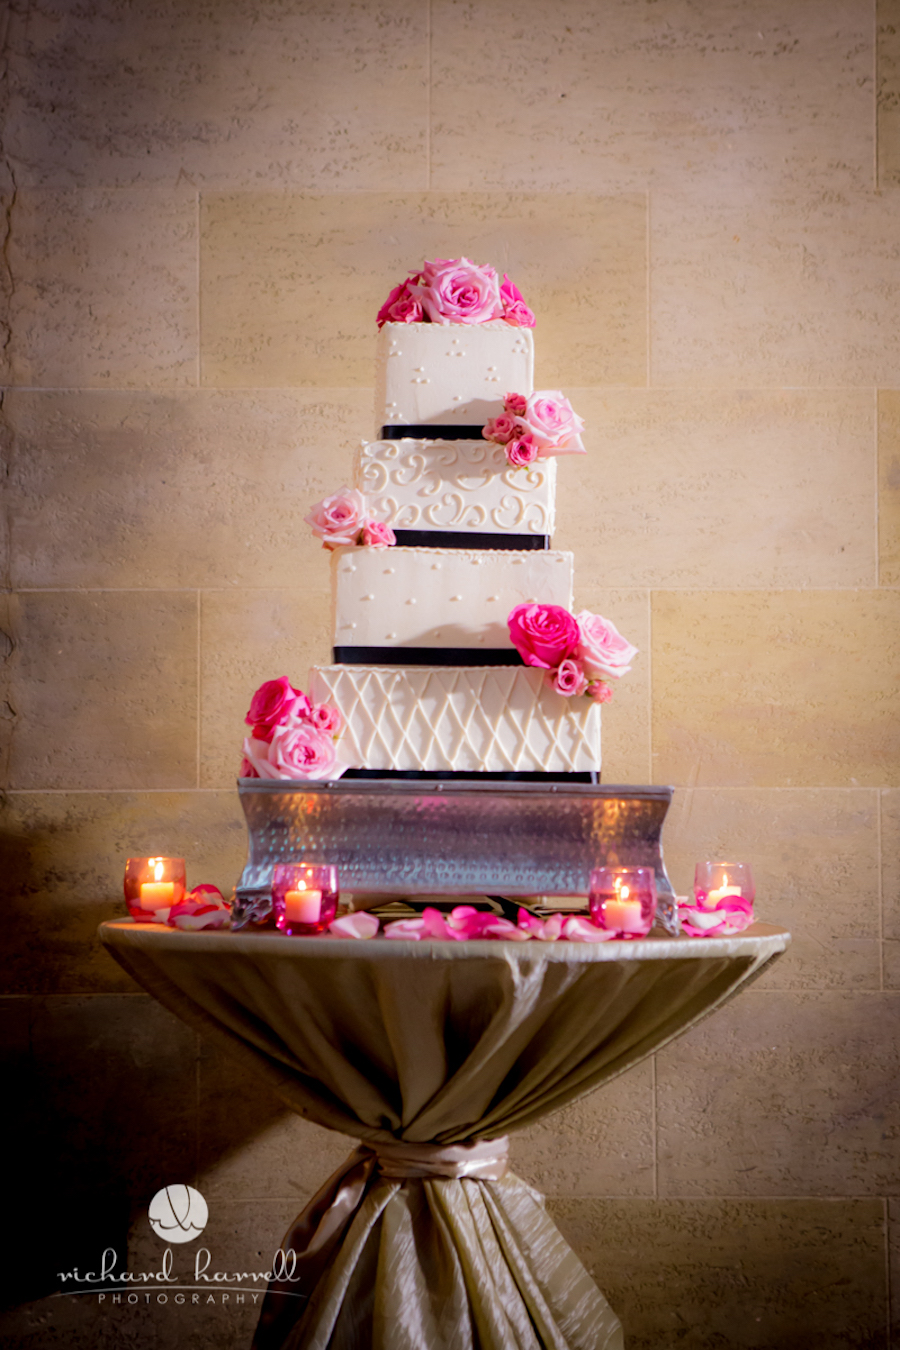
column 456, row 290
column 292, row 737
column 343, row 519
column 536, row 427
column 580, row 652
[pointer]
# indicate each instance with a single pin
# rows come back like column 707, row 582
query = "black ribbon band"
column 431, row 431
column 452, row 539
column 589, row 776
column 425, row 656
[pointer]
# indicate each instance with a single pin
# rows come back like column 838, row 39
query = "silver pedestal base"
column 419, row 837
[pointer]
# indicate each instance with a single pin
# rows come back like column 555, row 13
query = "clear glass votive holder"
column 152, row 887
column 623, row 900
column 714, row 880
column 304, row 897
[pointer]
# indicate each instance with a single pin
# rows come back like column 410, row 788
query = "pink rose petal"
column 358, row 925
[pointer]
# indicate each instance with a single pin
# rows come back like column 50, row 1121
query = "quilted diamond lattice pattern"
column 489, row 719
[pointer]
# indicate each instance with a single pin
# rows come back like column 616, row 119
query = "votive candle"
column 302, row 906
column 304, row 897
column 623, row 900
column 153, row 886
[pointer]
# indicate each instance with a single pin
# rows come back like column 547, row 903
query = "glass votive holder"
column 623, row 900
column 304, row 897
column 152, row 887
column 714, row 880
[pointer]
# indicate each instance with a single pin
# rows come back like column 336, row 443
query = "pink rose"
column 296, row 752
column 543, row 635
column 455, row 290
column 569, row 679
column 499, row 429
column 401, row 306
column 327, row 719
column 247, row 770
column 515, row 404
column 599, row 692
column 338, row 520
column 602, row 650
column 274, row 703
column 521, row 451
column 515, row 310
column 376, row 534
column 553, row 423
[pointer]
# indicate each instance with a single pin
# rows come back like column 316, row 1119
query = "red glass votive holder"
column 304, row 897
column 623, row 900
column 152, row 887
column 714, row 880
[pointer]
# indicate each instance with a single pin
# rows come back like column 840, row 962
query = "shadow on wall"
column 103, row 1107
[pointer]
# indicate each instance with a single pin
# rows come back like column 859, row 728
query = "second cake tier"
column 434, row 598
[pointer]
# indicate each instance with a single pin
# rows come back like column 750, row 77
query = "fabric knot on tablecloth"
column 483, row 1159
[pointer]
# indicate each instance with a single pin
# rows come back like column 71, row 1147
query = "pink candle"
column 303, row 906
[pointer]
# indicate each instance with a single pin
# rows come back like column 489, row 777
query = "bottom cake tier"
column 458, row 719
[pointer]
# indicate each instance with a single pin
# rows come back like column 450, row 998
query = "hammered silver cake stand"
column 391, row 837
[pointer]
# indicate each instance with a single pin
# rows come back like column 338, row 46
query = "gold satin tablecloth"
column 437, row 1044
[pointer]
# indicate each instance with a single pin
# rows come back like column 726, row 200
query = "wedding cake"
column 456, row 650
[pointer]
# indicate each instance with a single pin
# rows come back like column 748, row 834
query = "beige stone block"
column 63, row 860
column 104, row 688
column 705, row 1274
column 783, row 1093
column 105, row 289
column 787, row 287
column 602, row 1145
column 889, row 486
column 250, row 1145
column 291, row 285
column 814, row 855
column 890, row 862
column 7, row 711
column 248, row 637
column 200, row 488
column 626, row 718
column 891, row 963
column 319, row 96
column 618, row 95
column 893, row 1208
column 776, row 688
column 887, row 80
column 733, row 488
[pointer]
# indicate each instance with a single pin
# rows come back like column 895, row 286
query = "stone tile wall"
column 204, row 206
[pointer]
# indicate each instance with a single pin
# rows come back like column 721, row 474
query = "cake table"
column 429, row 1053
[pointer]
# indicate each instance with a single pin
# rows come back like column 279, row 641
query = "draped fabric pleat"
column 435, row 1044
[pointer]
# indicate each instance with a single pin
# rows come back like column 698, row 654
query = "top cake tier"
column 449, row 375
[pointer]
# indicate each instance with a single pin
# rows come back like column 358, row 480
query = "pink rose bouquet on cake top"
column 292, row 737
column 536, row 427
column 578, row 652
column 456, row 290
column 341, row 521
